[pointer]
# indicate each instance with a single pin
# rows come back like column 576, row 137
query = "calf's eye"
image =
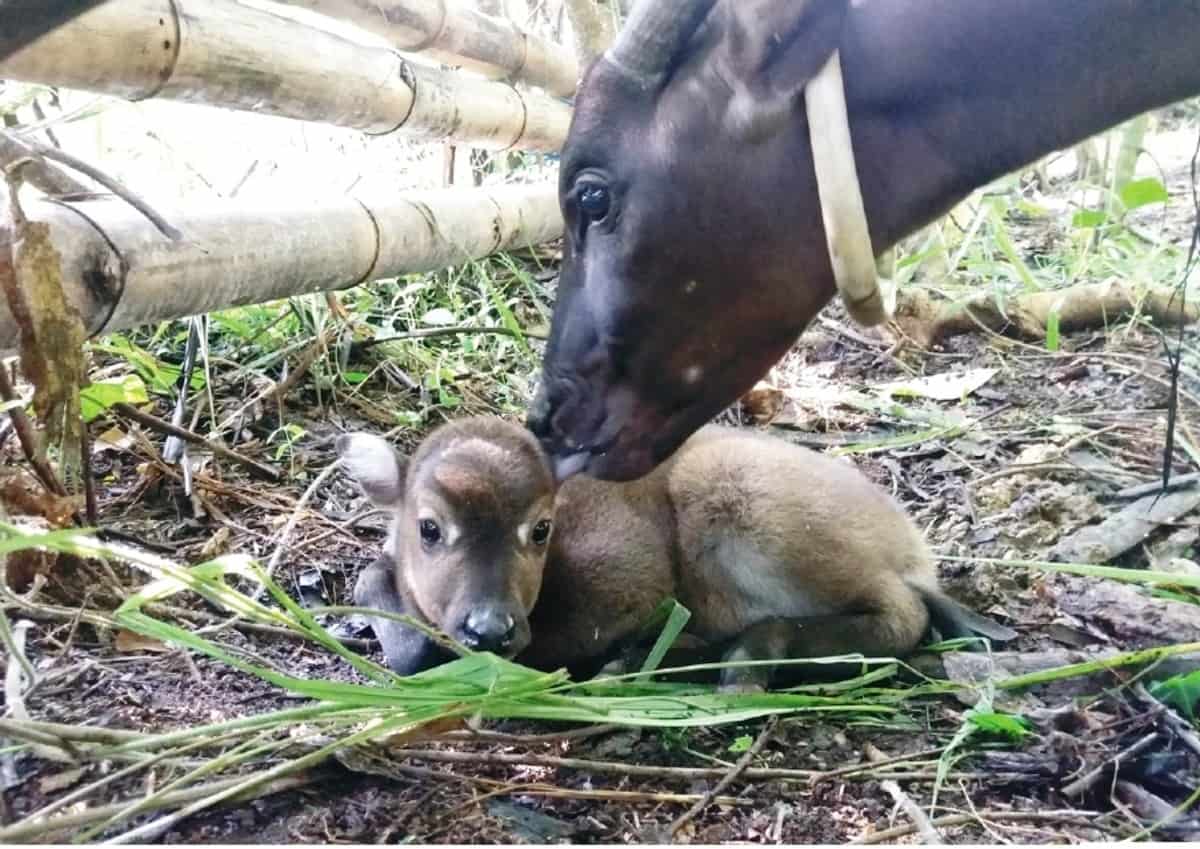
column 541, row 532
column 431, row 534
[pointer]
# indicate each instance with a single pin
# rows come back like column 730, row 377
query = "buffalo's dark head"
column 694, row 254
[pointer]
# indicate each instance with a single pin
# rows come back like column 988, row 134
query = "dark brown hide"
column 23, row 22
column 710, row 258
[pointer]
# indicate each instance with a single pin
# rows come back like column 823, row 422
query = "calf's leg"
column 892, row 629
column 408, row 651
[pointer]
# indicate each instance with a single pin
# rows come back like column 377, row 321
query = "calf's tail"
column 953, row 620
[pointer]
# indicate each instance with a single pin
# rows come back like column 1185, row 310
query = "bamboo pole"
column 453, row 33
column 120, row 272
column 221, row 53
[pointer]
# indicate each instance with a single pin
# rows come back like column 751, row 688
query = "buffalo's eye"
column 594, row 201
column 431, row 534
column 541, row 532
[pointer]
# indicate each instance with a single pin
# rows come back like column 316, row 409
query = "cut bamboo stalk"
column 452, row 32
column 220, row 53
column 120, row 272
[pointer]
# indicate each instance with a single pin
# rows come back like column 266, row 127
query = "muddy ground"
column 1087, row 422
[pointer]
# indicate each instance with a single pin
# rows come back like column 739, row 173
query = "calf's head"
column 694, row 250
column 472, row 520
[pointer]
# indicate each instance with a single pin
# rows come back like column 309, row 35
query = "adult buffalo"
column 695, row 253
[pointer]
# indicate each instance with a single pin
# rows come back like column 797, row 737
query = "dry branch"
column 119, row 272
column 221, row 53
column 453, row 33
column 40, row 174
column 1081, row 307
column 255, row 468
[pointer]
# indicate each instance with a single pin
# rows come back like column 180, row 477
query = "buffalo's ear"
column 771, row 50
column 375, row 465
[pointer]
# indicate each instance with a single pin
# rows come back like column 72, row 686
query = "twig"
column 1181, row 728
column 925, row 829
column 1044, row 468
column 281, row 546
column 895, row 759
column 435, row 332
column 14, row 644
column 1088, row 779
column 76, row 164
column 90, row 509
column 731, row 776
column 669, row 772
column 28, row 438
column 153, row 422
column 484, row 736
column 301, row 505
column 41, row 174
column 1140, row 490
column 1087, row 818
column 133, row 768
column 23, row 831
column 307, row 357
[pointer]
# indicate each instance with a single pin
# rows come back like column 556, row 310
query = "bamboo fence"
column 223, row 53
column 454, row 33
column 121, row 272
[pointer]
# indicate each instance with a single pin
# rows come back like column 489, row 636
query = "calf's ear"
column 375, row 465
column 771, row 50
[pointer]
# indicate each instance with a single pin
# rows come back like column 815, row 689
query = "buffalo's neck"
column 947, row 95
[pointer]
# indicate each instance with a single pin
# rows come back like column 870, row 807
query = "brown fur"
column 777, row 551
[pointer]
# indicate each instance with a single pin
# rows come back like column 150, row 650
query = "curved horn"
column 652, row 35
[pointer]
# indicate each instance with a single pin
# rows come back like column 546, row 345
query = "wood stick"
column 114, row 186
column 26, row 436
column 1088, row 779
column 256, row 469
column 925, row 829
column 671, row 772
column 887, row 835
column 731, row 776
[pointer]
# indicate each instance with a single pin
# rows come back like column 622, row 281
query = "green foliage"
column 1139, row 193
column 102, row 394
column 1181, row 692
column 1007, row 726
column 741, row 744
column 1052, row 334
column 161, row 378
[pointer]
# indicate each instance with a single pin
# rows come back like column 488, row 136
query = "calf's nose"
column 489, row 629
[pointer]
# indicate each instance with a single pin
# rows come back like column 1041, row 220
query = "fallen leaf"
column 60, row 780
column 951, row 386
column 128, row 641
column 113, row 439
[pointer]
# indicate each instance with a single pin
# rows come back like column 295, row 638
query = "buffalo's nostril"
column 489, row 630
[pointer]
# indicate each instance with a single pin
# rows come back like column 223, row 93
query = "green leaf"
column 354, row 377
column 741, row 744
column 1088, row 218
column 1143, row 193
column 103, row 394
column 1000, row 234
column 676, row 620
column 1052, row 333
column 1181, row 692
column 1007, row 725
